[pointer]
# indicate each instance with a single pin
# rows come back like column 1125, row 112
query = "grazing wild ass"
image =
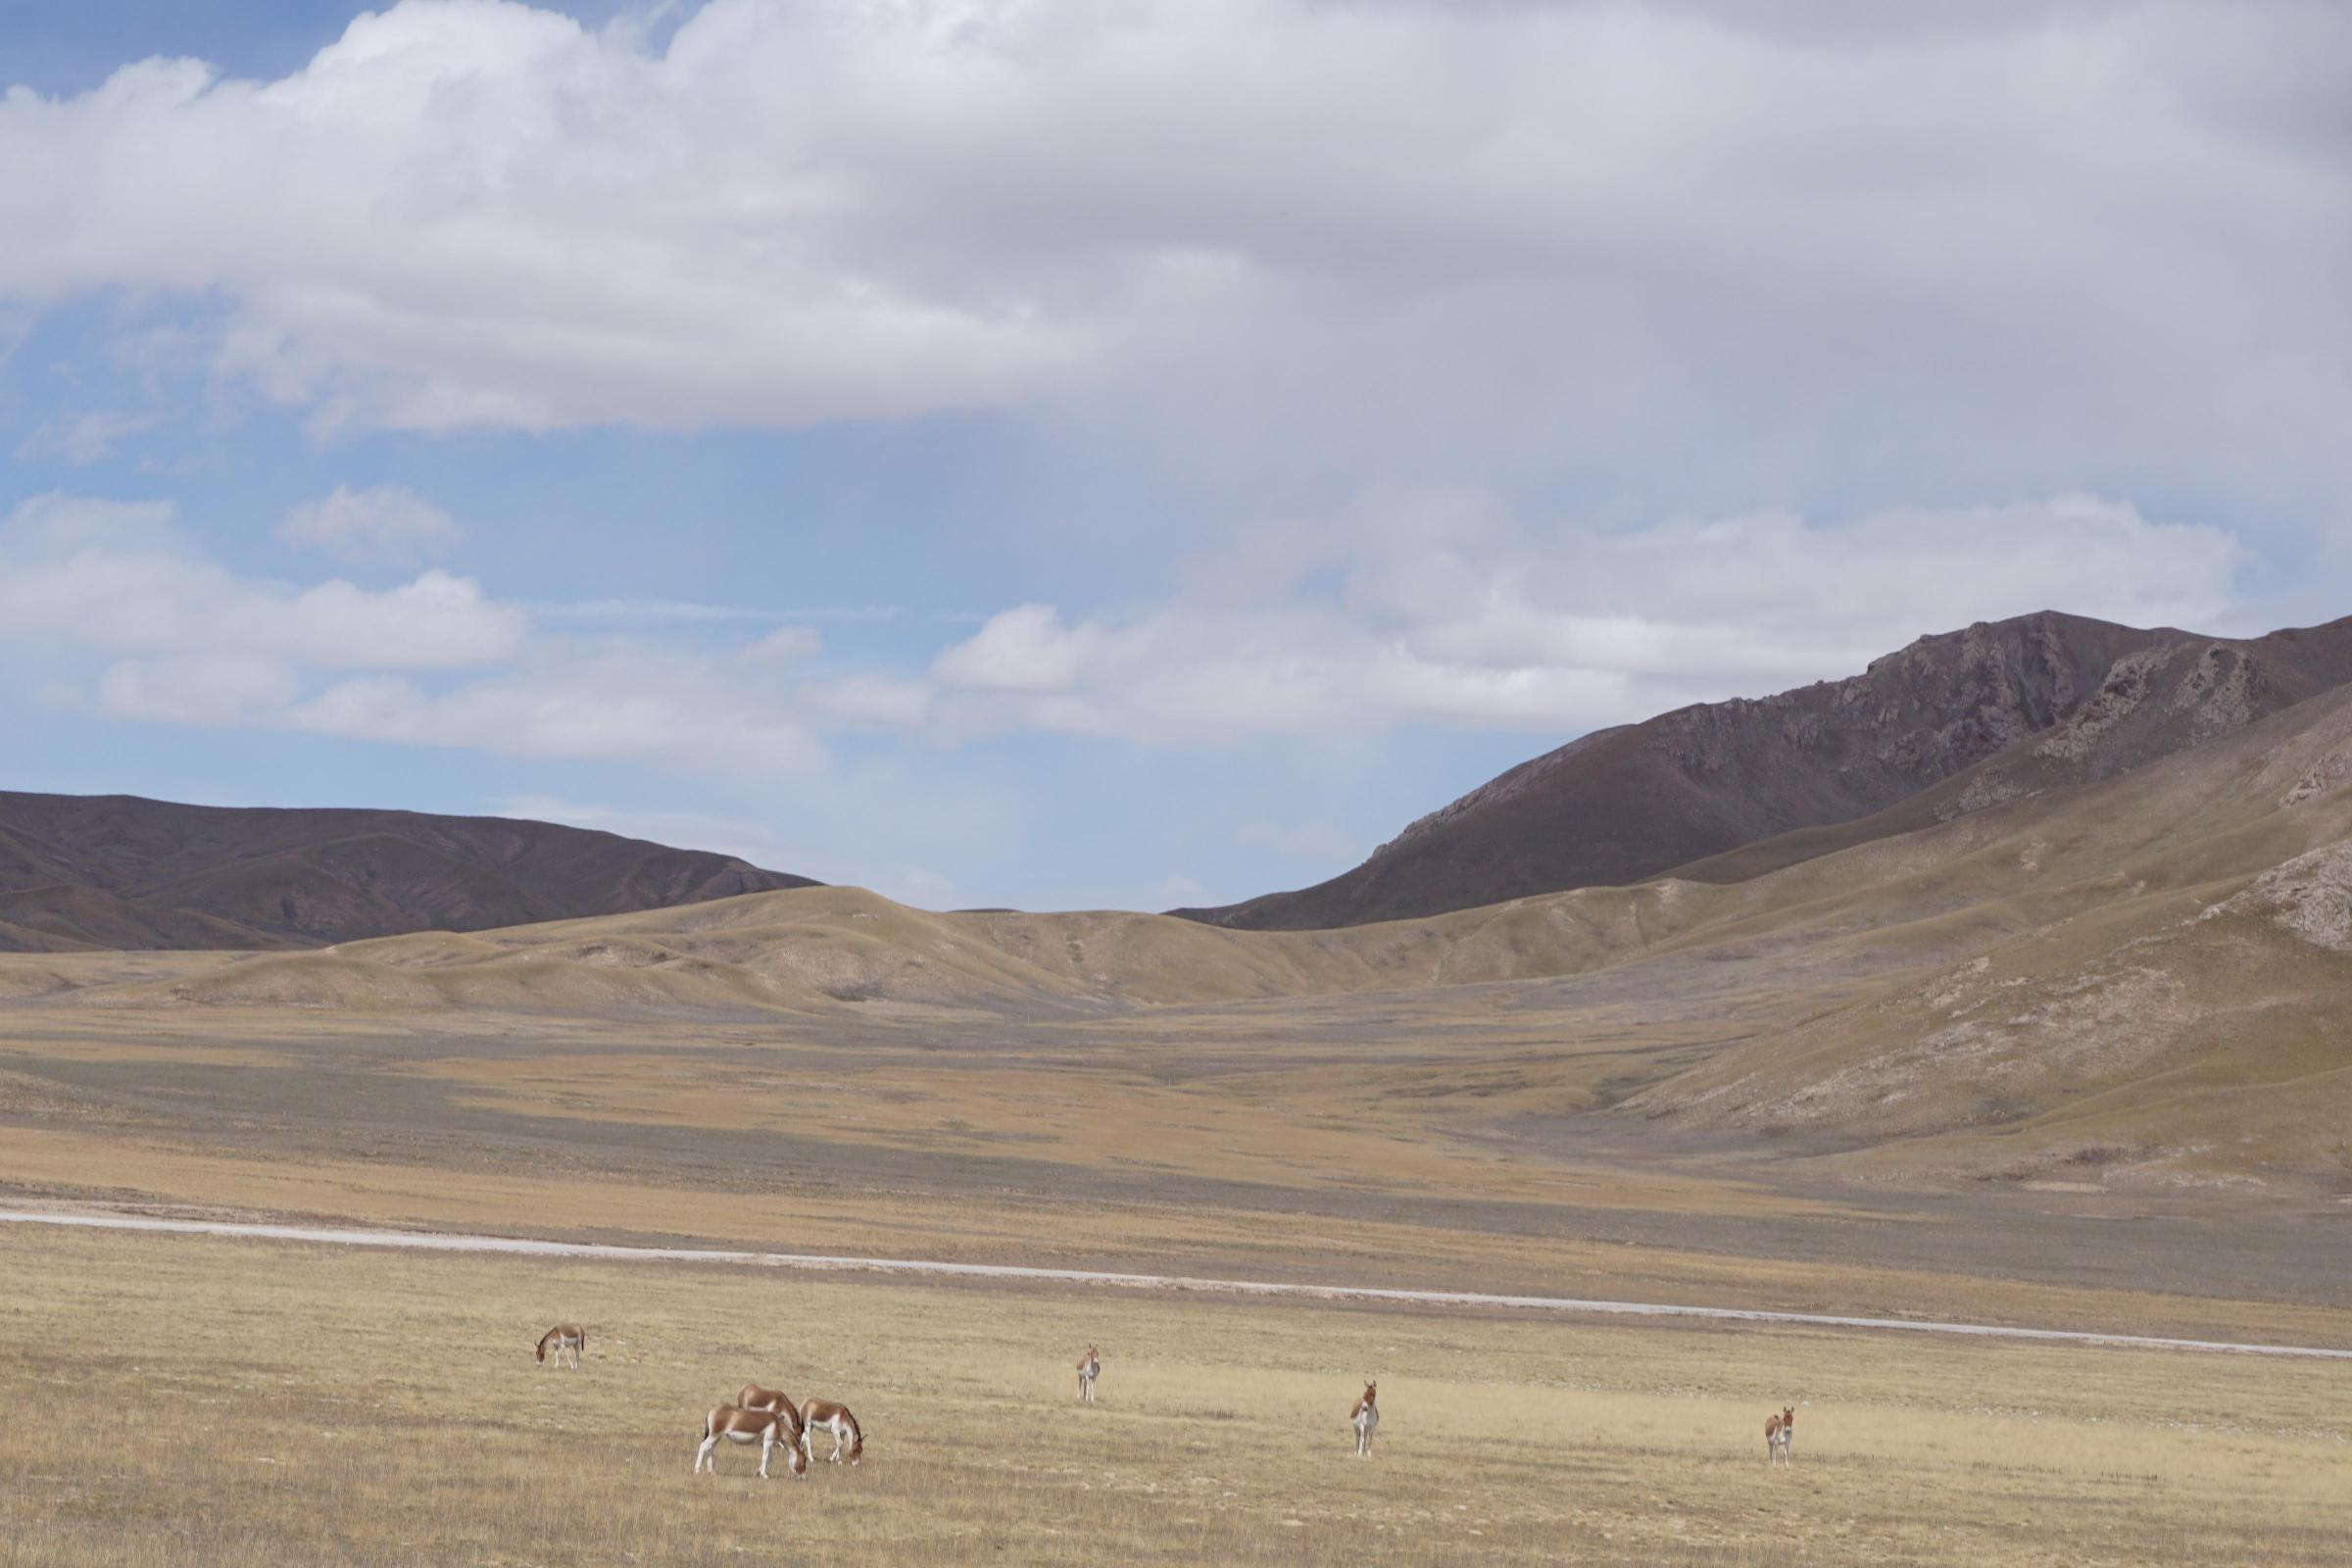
column 1089, row 1367
column 767, row 1428
column 1779, row 1431
column 563, row 1336
column 823, row 1415
column 1364, row 1418
column 752, row 1397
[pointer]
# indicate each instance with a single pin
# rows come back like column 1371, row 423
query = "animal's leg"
column 705, row 1455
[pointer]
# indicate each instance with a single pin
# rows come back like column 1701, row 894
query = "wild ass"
column 1366, row 1417
column 1779, row 1431
column 1089, row 1367
column 823, row 1415
column 752, row 1397
column 563, row 1336
column 767, row 1428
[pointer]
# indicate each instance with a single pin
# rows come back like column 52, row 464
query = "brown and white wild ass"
column 1364, row 1418
column 563, row 1336
column 1779, row 1431
column 752, row 1397
column 767, row 1428
column 823, row 1415
column 1089, row 1367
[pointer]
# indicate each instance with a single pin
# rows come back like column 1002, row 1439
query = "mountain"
column 2046, row 699
column 2141, row 980
column 2134, row 981
column 119, row 871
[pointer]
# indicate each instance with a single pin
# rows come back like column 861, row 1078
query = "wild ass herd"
column 767, row 1417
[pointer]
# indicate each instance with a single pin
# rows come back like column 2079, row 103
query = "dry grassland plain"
column 1657, row 1094
column 1441, row 1139
column 183, row 1400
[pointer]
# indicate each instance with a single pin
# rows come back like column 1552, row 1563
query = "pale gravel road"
column 601, row 1251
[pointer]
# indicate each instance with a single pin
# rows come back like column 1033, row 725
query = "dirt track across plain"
column 604, row 1251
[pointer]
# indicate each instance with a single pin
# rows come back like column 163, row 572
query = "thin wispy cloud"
column 678, row 612
column 82, row 439
column 385, row 524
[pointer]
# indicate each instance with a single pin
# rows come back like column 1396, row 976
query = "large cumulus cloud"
column 2041, row 245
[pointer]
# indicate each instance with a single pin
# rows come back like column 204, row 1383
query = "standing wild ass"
column 1364, row 1418
column 1779, row 1431
column 563, row 1336
column 1089, row 1367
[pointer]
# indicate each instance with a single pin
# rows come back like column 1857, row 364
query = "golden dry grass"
column 179, row 1399
column 1409, row 1149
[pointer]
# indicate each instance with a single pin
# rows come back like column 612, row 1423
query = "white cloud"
column 123, row 578
column 675, row 711
column 1406, row 608
column 55, row 526
column 1665, row 238
column 1490, row 623
column 676, row 611
column 387, row 524
column 1025, row 648
column 788, row 645
column 84, row 438
column 199, row 688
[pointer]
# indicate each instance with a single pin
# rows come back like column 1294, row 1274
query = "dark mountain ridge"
column 2017, row 705
column 120, row 871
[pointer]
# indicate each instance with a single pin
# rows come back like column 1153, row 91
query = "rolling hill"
column 117, row 871
column 2140, row 977
column 2047, row 699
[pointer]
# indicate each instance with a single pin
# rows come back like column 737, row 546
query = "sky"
column 1116, row 453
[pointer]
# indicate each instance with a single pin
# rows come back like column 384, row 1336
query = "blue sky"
column 1074, row 455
